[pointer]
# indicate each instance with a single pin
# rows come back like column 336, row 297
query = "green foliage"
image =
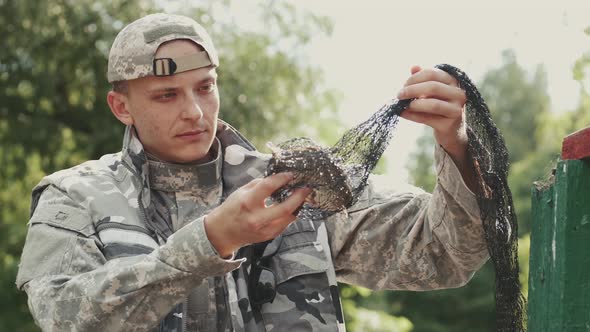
column 524, row 249
column 359, row 318
column 519, row 105
column 582, row 66
column 469, row 308
column 51, row 62
column 516, row 101
column 53, row 111
column 421, row 163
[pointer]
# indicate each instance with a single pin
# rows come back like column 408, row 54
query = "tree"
column 53, row 112
column 519, row 105
column 516, row 100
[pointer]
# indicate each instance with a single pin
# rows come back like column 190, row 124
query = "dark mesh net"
column 490, row 158
column 339, row 174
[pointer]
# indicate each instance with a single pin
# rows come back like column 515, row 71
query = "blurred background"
column 293, row 68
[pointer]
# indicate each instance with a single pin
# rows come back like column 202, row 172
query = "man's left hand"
column 440, row 104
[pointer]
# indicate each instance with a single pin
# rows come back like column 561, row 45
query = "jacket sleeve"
column 71, row 286
column 411, row 240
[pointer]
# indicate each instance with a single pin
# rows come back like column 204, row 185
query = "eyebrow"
column 164, row 88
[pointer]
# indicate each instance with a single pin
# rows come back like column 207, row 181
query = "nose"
column 192, row 110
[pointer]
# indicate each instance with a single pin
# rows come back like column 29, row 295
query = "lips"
column 192, row 135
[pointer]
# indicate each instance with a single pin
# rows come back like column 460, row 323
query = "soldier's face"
column 176, row 116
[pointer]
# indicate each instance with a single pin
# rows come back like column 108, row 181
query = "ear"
column 119, row 104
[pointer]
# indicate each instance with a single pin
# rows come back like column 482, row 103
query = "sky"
column 374, row 43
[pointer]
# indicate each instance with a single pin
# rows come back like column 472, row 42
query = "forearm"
column 131, row 293
column 106, row 298
column 454, row 215
column 411, row 240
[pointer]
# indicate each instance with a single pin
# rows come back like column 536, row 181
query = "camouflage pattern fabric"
column 97, row 256
column 132, row 53
column 181, row 194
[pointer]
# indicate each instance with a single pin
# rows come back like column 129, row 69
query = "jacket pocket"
column 301, row 233
column 303, row 300
column 305, row 258
column 57, row 210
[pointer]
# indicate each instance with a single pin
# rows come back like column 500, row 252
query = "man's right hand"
column 244, row 217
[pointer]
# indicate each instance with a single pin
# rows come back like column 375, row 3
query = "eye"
column 166, row 96
column 207, row 88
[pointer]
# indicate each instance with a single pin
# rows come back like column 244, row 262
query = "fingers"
column 258, row 192
column 287, row 207
column 273, row 220
column 244, row 218
column 438, row 102
column 436, row 95
column 430, row 74
column 260, row 189
column 277, row 226
column 433, row 89
column 437, row 122
column 435, row 106
column 415, row 69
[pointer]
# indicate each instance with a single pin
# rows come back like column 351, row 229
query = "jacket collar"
column 241, row 161
column 170, row 177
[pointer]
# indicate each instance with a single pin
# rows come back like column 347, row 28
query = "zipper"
column 183, row 319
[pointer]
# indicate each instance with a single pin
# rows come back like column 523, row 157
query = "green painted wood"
column 539, row 278
column 559, row 274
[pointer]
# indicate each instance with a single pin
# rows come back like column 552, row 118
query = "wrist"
column 455, row 144
column 462, row 159
column 218, row 237
column 457, row 152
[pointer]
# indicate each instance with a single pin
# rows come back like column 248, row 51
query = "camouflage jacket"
column 93, row 260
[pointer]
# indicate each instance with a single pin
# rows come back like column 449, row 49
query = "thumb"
column 415, row 69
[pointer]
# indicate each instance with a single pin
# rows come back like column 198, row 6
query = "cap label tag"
column 164, row 67
column 170, row 66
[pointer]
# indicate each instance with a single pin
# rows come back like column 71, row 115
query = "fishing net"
column 339, row 174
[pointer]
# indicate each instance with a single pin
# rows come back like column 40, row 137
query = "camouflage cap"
column 133, row 52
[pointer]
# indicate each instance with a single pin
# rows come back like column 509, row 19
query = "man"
column 156, row 237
